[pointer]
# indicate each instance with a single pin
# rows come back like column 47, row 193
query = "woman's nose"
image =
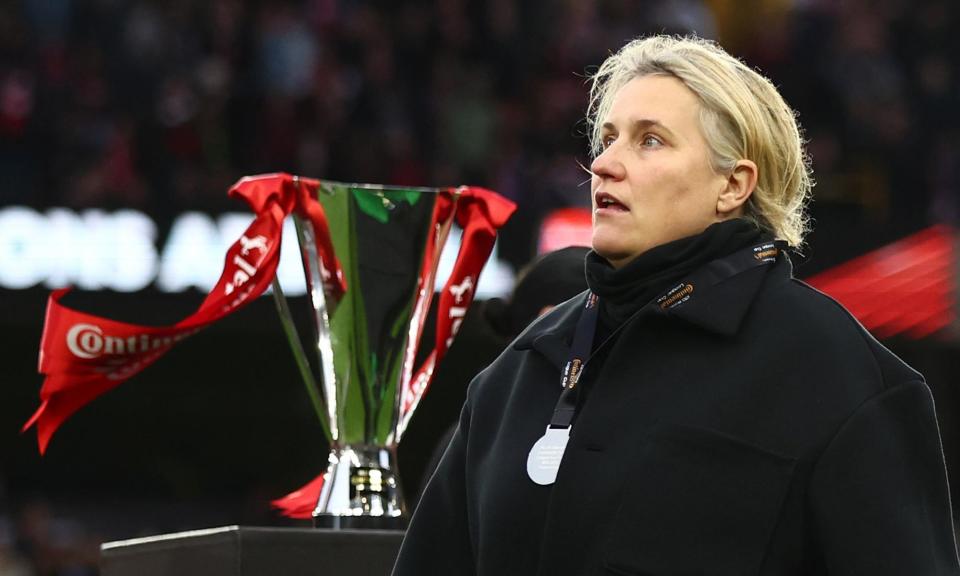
column 606, row 165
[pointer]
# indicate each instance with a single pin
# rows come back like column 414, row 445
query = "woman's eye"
column 651, row 141
column 607, row 141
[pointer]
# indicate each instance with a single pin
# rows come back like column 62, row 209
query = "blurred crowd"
column 34, row 542
column 161, row 105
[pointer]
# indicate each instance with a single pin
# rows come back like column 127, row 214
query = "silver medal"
column 543, row 462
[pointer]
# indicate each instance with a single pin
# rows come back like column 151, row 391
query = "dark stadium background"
column 160, row 105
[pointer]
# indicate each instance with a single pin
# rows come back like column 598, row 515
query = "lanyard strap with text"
column 758, row 255
column 719, row 270
column 582, row 342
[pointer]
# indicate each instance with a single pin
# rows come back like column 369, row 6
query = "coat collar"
column 719, row 308
column 552, row 333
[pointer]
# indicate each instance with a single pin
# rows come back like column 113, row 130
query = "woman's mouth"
column 608, row 203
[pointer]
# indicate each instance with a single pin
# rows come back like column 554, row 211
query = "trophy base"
column 333, row 522
column 361, row 490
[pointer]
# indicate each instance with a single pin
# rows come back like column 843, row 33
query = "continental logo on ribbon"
column 766, row 253
column 676, row 296
column 87, row 341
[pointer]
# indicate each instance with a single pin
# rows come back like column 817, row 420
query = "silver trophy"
column 367, row 329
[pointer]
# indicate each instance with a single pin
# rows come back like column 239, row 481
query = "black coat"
column 757, row 429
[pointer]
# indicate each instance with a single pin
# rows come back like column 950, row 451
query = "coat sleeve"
column 438, row 538
column 879, row 491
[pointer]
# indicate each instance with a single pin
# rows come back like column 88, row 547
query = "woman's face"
column 653, row 182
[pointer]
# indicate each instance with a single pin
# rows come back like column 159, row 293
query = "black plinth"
column 251, row 551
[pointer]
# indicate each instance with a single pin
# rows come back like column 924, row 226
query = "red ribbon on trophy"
column 83, row 355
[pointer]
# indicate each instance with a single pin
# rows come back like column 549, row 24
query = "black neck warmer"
column 624, row 291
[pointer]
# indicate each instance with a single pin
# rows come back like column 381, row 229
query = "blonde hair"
column 742, row 116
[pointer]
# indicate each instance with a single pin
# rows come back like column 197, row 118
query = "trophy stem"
column 361, row 489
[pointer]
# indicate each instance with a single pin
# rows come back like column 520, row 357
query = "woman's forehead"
column 653, row 101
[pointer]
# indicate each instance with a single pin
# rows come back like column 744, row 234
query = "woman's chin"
column 610, row 253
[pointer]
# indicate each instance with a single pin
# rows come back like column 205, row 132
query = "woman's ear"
column 739, row 186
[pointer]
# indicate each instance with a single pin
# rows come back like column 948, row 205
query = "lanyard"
column 714, row 272
column 582, row 342
column 543, row 461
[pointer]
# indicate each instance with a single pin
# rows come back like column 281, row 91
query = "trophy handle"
column 443, row 218
column 325, row 285
column 480, row 213
column 286, row 320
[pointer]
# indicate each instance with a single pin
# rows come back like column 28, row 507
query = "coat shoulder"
column 818, row 328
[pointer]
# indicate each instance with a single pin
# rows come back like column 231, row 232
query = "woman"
column 704, row 412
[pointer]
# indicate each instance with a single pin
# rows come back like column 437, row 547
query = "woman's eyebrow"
column 646, row 123
column 639, row 124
